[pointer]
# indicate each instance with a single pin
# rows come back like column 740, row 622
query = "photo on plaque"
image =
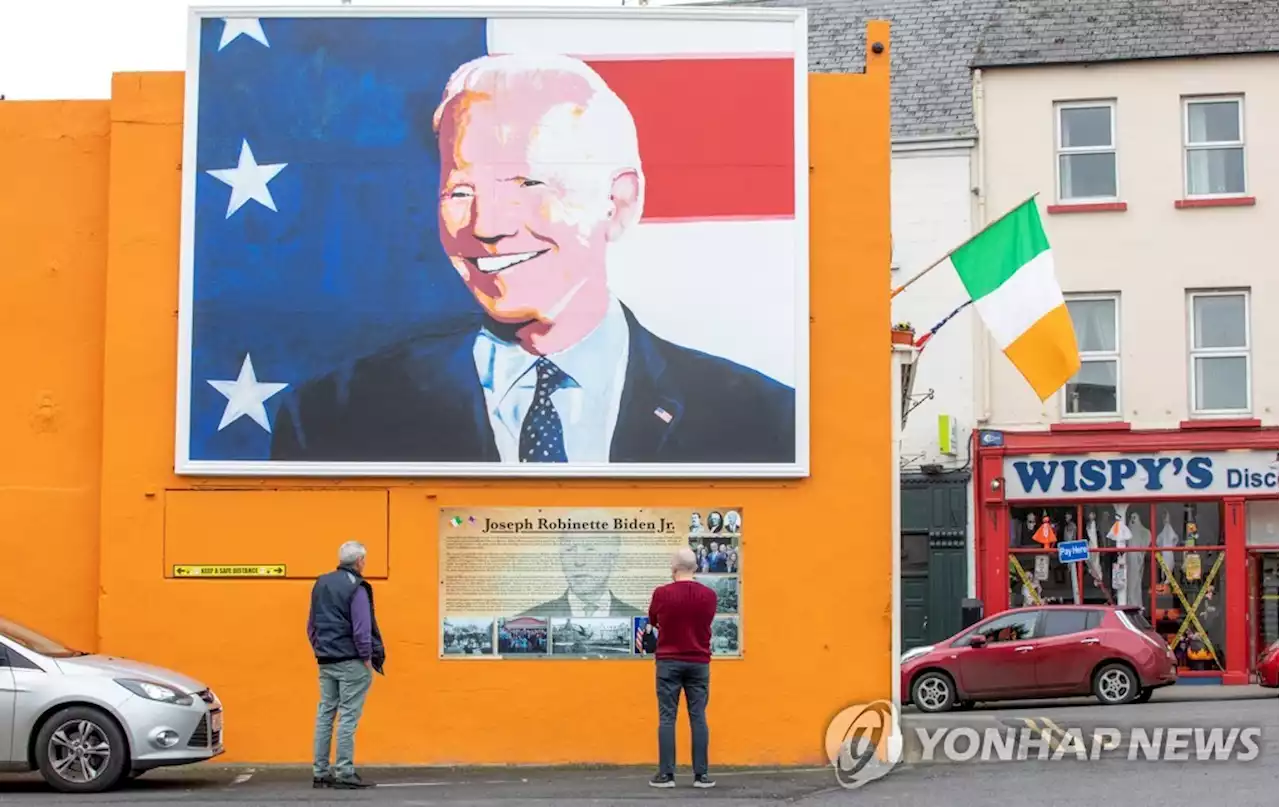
column 486, row 241
column 725, row 637
column 468, row 637
column 645, row 638
column 591, row 636
column 716, row 554
column 523, row 636
column 726, row 589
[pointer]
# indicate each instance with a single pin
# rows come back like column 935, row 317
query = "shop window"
column 1190, row 609
column 1262, row 518
column 1027, row 527
column 1039, row 578
column 1095, row 388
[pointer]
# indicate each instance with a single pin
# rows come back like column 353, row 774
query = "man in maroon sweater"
column 682, row 611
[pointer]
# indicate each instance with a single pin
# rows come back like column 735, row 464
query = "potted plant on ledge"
column 903, row 334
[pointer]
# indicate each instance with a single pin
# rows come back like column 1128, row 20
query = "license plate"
column 216, row 721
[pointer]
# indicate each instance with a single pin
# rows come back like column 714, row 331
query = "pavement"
column 1064, row 782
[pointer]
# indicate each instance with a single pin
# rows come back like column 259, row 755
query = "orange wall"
column 817, row 618
column 53, row 261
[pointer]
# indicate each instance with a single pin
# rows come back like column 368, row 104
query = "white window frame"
column 1059, row 151
column 1099, row 355
column 1188, row 147
column 1194, row 353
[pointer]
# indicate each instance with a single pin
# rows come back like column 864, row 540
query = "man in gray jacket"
column 344, row 636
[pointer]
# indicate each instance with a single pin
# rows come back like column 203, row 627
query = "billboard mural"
column 470, row 243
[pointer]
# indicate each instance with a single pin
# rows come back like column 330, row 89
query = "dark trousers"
column 695, row 680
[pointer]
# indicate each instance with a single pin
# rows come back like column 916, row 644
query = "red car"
column 1268, row 674
column 1042, row 652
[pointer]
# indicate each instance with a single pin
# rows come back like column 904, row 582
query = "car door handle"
column 1090, row 640
column 1024, row 649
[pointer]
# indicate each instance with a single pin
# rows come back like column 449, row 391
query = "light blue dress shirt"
column 587, row 402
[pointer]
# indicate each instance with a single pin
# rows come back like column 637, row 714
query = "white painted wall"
column 932, row 214
column 1151, row 253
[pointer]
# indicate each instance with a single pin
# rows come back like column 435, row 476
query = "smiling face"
column 527, row 208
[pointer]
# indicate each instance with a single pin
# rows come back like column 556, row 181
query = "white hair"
column 350, row 553
column 604, row 130
column 684, row 560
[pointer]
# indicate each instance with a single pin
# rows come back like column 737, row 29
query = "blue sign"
column 991, row 439
column 1073, row 551
column 1134, row 476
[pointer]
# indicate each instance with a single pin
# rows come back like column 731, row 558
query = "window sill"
column 1091, row 426
column 1096, row 207
column 1221, row 423
column 1226, row 201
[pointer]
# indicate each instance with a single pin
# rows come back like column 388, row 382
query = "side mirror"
column 978, row 641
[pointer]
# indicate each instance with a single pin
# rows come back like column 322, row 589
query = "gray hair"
column 350, row 553
column 606, row 131
column 684, row 560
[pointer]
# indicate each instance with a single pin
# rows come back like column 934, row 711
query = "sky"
column 68, row 49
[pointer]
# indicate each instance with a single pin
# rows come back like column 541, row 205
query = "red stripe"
column 717, row 136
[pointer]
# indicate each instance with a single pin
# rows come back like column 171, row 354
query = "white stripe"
column 632, row 37
column 1022, row 301
column 724, row 287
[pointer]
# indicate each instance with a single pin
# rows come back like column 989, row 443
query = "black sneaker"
column 353, row 782
column 703, row 780
column 322, row 781
column 662, row 780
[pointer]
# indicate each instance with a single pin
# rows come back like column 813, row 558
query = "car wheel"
column 81, row 750
column 933, row 692
column 1115, row 684
column 1144, row 695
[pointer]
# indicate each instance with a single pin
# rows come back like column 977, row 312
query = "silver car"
column 87, row 722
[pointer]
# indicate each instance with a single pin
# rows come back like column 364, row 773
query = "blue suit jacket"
column 421, row 401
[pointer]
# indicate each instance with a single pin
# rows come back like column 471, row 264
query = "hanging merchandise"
column 1119, row 532
column 1119, row 584
column 1191, row 568
column 1168, row 537
column 1045, row 536
column 1192, row 533
column 1091, row 532
column 1042, row 567
column 1140, row 537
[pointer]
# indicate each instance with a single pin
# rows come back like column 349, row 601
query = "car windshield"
column 35, row 642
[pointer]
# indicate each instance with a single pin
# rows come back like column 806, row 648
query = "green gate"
column 934, row 560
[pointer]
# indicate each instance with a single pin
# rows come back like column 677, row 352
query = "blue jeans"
column 343, row 687
column 694, row 679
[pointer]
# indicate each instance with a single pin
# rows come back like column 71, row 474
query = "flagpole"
column 938, row 262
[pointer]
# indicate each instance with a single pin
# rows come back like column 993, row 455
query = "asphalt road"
column 1064, row 783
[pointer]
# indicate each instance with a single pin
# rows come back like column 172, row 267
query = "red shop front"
column 1182, row 522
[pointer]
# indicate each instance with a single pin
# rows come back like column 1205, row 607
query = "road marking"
column 244, row 777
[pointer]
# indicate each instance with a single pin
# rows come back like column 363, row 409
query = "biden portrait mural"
column 566, row 243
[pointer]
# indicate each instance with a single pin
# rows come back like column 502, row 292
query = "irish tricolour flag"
column 1008, row 271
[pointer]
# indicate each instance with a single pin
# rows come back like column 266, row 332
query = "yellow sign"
column 229, row 571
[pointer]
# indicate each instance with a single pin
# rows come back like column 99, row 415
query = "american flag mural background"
column 311, row 215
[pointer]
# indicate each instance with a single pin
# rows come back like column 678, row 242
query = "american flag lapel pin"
column 662, row 414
